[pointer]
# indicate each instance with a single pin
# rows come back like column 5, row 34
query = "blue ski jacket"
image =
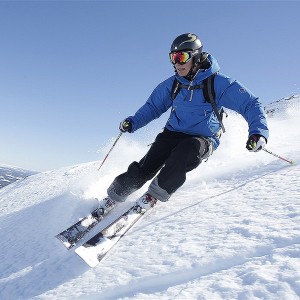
column 190, row 113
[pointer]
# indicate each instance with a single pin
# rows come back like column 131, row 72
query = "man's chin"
column 180, row 73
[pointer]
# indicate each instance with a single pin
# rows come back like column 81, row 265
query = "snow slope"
column 10, row 174
column 231, row 232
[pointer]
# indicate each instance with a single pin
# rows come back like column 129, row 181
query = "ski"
column 95, row 249
column 72, row 235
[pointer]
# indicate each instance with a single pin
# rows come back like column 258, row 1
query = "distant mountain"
column 11, row 174
column 282, row 105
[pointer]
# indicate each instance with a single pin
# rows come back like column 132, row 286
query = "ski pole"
column 112, row 147
column 280, row 157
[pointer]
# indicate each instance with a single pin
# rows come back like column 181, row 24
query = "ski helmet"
column 186, row 41
column 189, row 42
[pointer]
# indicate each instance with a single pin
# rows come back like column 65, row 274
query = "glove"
column 256, row 142
column 126, row 126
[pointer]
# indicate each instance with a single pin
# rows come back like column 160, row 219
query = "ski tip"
column 89, row 255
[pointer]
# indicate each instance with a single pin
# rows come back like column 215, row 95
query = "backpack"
column 208, row 92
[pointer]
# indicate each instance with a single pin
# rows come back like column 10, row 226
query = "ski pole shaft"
column 112, row 147
column 280, row 157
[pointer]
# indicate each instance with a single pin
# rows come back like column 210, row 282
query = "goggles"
column 181, row 57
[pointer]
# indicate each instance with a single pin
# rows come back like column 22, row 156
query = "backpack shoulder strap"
column 209, row 89
column 210, row 96
column 175, row 88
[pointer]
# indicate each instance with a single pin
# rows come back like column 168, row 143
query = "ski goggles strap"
column 180, row 57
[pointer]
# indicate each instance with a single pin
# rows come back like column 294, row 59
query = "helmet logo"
column 192, row 38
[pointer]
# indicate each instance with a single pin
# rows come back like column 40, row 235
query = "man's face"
column 184, row 69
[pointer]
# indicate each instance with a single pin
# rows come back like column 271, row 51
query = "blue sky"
column 71, row 71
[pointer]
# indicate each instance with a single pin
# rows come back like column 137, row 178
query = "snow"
column 231, row 232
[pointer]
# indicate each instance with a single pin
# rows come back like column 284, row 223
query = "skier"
column 192, row 132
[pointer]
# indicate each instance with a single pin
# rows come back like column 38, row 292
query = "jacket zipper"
column 190, row 85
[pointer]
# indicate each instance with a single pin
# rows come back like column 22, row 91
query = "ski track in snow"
column 231, row 232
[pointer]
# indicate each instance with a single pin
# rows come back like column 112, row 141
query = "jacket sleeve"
column 158, row 103
column 238, row 98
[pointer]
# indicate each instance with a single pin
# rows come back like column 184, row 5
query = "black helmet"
column 186, row 41
column 189, row 42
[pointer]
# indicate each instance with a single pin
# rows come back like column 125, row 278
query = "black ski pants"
column 173, row 154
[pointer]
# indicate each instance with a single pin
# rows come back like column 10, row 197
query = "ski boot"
column 144, row 203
